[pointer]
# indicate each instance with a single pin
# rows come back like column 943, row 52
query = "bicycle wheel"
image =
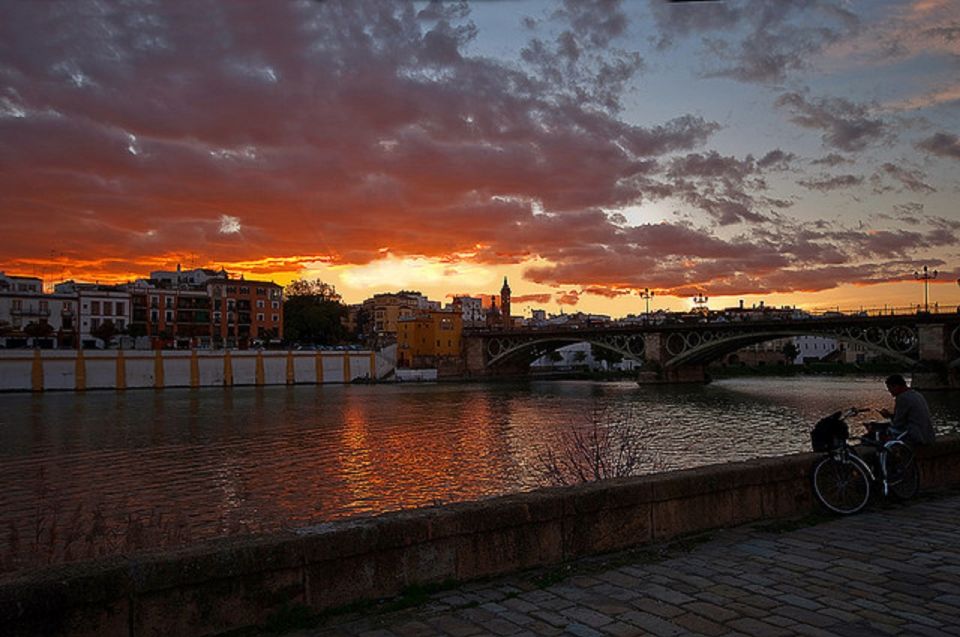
column 842, row 485
column 903, row 472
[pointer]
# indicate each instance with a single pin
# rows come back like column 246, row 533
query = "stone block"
column 509, row 549
column 216, row 606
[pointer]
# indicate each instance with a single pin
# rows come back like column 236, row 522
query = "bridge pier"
column 934, row 370
column 675, row 374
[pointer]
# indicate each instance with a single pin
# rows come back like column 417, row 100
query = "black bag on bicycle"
column 830, row 433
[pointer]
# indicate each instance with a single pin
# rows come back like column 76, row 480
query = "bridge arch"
column 513, row 349
column 900, row 343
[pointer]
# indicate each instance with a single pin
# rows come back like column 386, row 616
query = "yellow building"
column 385, row 310
column 429, row 339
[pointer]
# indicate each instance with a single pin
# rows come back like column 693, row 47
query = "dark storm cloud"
column 776, row 160
column 912, row 180
column 950, row 32
column 580, row 61
column 323, row 131
column 759, row 40
column 723, row 187
column 832, row 160
column 338, row 131
column 942, row 145
column 846, row 125
column 826, row 183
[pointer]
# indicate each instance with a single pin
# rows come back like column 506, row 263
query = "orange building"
column 429, row 339
column 245, row 310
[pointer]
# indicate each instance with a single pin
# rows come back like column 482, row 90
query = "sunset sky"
column 801, row 152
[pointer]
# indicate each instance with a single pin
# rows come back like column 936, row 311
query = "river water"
column 98, row 473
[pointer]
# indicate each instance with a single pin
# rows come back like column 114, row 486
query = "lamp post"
column 700, row 300
column 925, row 276
column 646, row 295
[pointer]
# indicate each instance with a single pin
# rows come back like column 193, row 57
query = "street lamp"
column 646, row 295
column 925, row 276
column 700, row 300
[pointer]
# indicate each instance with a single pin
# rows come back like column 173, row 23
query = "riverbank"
column 227, row 585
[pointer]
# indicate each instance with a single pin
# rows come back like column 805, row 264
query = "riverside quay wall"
column 45, row 370
column 229, row 584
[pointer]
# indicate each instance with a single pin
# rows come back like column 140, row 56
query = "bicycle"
column 843, row 479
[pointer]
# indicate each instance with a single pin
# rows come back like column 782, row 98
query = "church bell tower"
column 505, row 304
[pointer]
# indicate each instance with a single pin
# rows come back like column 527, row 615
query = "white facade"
column 192, row 278
column 813, row 348
column 22, row 303
column 20, row 284
column 471, row 308
column 96, row 305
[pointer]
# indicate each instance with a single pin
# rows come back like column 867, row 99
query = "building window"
column 44, row 306
column 216, row 316
column 275, row 305
column 260, row 304
column 168, row 301
column 17, row 304
column 245, row 290
column 94, row 323
column 154, row 301
column 94, row 307
column 168, row 316
column 259, row 317
column 261, row 291
column 276, row 318
column 154, row 316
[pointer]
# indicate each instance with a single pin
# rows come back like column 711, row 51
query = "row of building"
column 194, row 308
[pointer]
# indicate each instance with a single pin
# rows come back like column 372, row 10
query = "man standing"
column 910, row 412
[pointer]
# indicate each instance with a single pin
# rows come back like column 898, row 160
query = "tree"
column 790, row 352
column 603, row 354
column 316, row 288
column 313, row 313
column 137, row 330
column 38, row 330
column 105, row 332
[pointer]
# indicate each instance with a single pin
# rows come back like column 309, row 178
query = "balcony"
column 29, row 311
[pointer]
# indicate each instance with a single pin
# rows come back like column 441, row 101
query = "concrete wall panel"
column 16, row 373
column 176, row 369
column 274, row 368
column 59, row 372
column 244, row 368
column 305, row 367
column 210, row 369
column 140, row 368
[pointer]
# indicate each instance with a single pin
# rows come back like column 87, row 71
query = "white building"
column 29, row 318
column 195, row 278
column 814, row 348
column 471, row 309
column 96, row 305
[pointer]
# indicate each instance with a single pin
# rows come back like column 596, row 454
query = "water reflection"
column 97, row 473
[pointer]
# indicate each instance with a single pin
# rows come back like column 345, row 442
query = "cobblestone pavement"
column 894, row 570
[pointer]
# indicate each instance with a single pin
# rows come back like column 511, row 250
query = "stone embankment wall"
column 229, row 584
column 45, row 370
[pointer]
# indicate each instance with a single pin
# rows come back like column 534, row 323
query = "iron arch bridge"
column 909, row 339
column 526, row 347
